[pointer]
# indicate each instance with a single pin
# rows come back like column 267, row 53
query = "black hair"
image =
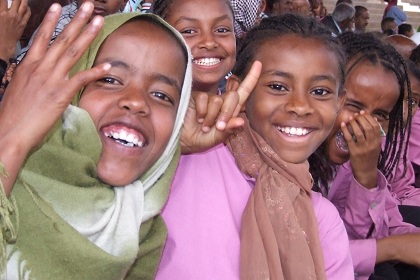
column 367, row 47
column 415, row 56
column 287, row 24
column 162, row 7
column 359, row 9
column 404, row 28
column 385, row 21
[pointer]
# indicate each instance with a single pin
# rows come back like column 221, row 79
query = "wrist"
column 369, row 180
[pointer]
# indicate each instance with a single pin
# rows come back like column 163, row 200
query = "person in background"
column 341, row 19
column 406, row 30
column 361, row 19
column 102, row 8
column 389, row 26
column 278, row 7
column 392, row 10
column 302, row 7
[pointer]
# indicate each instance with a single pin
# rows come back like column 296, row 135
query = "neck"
column 207, row 88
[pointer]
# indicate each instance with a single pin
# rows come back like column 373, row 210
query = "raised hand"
column 41, row 89
column 211, row 119
column 12, row 24
column 363, row 136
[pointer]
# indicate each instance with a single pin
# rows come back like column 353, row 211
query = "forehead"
column 372, row 85
column 196, row 8
column 307, row 56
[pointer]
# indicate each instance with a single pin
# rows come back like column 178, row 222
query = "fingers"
column 248, row 85
column 73, row 51
column 200, row 101
column 43, row 35
column 361, row 129
column 72, row 42
column 81, row 79
column 15, row 5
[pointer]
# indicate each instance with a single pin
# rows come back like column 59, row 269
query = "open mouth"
column 294, row 131
column 341, row 142
column 207, row 61
column 125, row 138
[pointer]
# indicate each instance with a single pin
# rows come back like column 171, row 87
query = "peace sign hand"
column 211, row 119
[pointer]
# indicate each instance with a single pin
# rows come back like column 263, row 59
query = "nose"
column 299, row 104
column 207, row 40
column 134, row 102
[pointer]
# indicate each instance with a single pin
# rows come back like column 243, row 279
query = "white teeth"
column 125, row 138
column 207, row 61
column 294, row 130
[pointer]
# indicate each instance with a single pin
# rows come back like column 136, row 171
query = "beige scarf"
column 279, row 234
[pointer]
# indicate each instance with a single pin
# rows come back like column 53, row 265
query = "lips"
column 99, row 11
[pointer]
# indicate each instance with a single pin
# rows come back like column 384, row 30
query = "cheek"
column 163, row 124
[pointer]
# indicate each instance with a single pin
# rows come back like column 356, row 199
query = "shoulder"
column 325, row 212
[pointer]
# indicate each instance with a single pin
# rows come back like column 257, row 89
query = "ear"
column 262, row 7
column 232, row 83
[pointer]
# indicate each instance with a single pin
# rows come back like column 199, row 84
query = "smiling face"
column 370, row 88
column 295, row 102
column 134, row 106
column 207, row 27
column 105, row 7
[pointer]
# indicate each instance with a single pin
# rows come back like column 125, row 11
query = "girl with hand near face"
column 86, row 182
column 359, row 185
column 245, row 209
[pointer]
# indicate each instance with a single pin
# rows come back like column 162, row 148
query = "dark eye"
column 320, row 92
column 277, row 87
column 187, row 31
column 109, row 80
column 222, row 30
column 413, row 102
column 163, row 97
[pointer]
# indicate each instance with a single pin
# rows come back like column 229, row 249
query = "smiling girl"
column 245, row 209
column 86, row 182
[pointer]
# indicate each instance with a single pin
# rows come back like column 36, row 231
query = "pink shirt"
column 414, row 146
column 367, row 215
column 203, row 216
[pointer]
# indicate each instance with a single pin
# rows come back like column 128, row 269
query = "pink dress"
column 203, row 216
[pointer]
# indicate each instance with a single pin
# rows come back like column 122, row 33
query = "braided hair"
column 363, row 47
column 278, row 26
column 292, row 24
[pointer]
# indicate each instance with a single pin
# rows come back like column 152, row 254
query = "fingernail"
column 86, row 7
column 200, row 120
column 54, row 8
column 205, row 129
column 96, row 21
column 221, row 125
column 107, row 66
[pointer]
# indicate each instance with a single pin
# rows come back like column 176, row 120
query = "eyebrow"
column 166, row 80
column 195, row 19
column 356, row 102
column 155, row 75
column 314, row 78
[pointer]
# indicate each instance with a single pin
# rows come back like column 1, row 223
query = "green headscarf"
column 73, row 226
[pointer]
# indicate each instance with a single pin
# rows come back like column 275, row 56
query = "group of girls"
column 91, row 138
